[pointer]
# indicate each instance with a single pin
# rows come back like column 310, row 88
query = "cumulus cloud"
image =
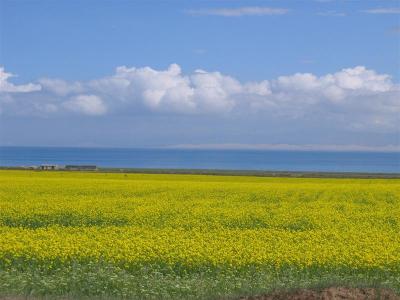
column 357, row 79
column 240, row 11
column 86, row 104
column 8, row 87
column 60, row 87
column 387, row 10
column 357, row 98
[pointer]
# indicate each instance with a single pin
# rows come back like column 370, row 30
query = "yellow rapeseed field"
column 190, row 223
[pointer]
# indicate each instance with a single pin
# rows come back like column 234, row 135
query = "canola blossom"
column 197, row 222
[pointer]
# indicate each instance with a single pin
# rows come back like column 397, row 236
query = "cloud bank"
column 287, row 147
column 355, row 98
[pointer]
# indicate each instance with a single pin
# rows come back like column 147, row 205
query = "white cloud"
column 335, row 86
column 8, row 87
column 298, row 81
column 358, row 98
column 359, row 78
column 214, row 91
column 60, row 87
column 388, row 10
column 258, row 88
column 240, row 11
column 354, row 98
column 86, row 104
column 165, row 90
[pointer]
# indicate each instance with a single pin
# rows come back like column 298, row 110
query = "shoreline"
column 220, row 172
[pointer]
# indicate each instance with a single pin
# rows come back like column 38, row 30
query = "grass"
column 108, row 281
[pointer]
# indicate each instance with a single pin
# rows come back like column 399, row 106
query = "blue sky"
column 199, row 73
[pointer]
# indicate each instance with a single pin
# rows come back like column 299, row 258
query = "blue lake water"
column 205, row 159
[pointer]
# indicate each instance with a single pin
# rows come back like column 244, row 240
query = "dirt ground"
column 333, row 293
